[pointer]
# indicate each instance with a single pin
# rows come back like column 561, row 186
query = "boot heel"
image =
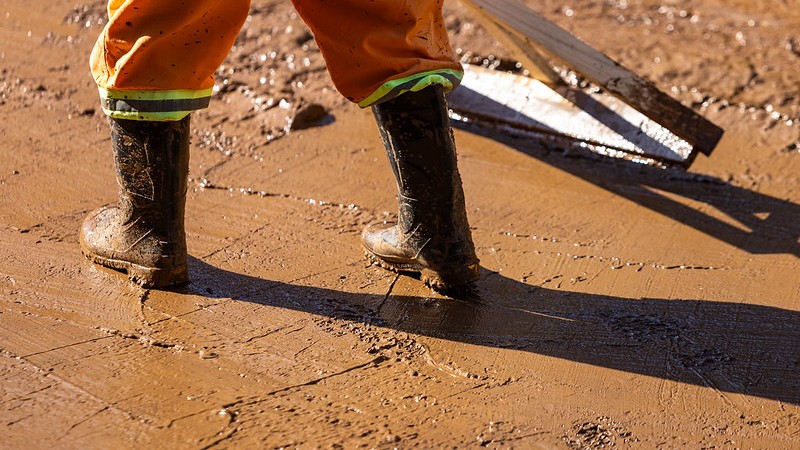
column 443, row 281
column 151, row 278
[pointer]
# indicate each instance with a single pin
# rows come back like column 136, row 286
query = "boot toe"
column 105, row 242
column 439, row 271
column 93, row 234
column 379, row 239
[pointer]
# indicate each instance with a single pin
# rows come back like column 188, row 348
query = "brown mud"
column 619, row 305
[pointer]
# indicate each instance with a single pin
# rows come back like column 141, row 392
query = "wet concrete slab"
column 618, row 305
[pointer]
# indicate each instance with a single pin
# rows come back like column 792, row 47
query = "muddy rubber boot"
column 143, row 234
column 432, row 236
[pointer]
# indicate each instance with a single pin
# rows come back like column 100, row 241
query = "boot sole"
column 438, row 281
column 147, row 277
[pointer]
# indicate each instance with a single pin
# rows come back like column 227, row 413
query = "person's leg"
column 432, row 235
column 155, row 59
column 376, row 50
column 396, row 57
column 154, row 64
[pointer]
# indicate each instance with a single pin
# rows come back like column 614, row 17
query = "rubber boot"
column 432, row 236
column 143, row 235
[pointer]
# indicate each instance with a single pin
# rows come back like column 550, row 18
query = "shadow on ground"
column 730, row 347
column 759, row 224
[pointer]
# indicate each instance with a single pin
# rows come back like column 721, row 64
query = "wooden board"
column 531, row 58
column 527, row 28
column 597, row 122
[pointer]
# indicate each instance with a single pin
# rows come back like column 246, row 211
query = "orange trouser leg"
column 155, row 60
column 377, row 49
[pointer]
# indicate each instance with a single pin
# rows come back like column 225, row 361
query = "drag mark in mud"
column 375, row 362
column 615, row 262
column 207, row 184
column 449, row 369
column 144, row 339
column 345, row 218
column 85, row 419
column 232, row 242
column 26, row 395
column 536, row 313
column 666, row 267
column 268, row 333
column 87, row 341
column 388, row 293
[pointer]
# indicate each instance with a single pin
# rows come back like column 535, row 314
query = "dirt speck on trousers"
column 619, row 305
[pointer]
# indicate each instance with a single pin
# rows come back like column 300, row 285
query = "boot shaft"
column 152, row 162
column 417, row 135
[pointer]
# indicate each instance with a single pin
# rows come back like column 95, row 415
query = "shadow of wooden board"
column 536, row 38
column 595, row 121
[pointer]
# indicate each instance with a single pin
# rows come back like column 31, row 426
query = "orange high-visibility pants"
column 155, row 59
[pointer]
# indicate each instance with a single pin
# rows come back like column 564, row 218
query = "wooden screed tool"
column 636, row 121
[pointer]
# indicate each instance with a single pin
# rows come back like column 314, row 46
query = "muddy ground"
column 618, row 306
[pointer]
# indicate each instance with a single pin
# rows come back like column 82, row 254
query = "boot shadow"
column 731, row 347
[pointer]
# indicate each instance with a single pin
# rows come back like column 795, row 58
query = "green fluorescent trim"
column 179, row 94
column 170, row 116
column 447, row 78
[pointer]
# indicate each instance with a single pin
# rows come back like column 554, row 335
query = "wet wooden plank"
column 605, row 124
column 531, row 58
column 533, row 30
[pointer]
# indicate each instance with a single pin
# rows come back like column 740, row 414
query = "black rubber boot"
column 143, row 235
column 432, row 236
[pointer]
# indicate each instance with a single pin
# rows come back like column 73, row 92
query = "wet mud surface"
column 619, row 305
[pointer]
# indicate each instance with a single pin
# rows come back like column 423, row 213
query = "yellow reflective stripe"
column 179, row 94
column 447, row 78
column 170, row 116
column 168, row 105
